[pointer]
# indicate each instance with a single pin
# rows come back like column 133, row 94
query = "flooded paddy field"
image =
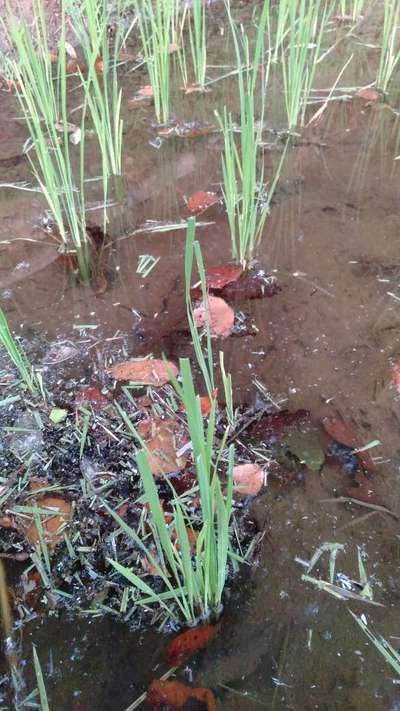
column 311, row 340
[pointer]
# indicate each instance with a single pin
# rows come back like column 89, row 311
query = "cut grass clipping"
column 44, row 104
column 17, row 355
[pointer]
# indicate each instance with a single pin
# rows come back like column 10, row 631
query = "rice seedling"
column 389, row 653
column 17, row 355
column 390, row 46
column 195, row 18
column 44, row 105
column 194, row 575
column 91, row 22
column 155, row 22
column 247, row 200
column 307, row 22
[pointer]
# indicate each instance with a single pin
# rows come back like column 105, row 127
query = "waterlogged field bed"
column 310, row 335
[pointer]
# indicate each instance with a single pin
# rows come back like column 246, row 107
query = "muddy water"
column 325, row 343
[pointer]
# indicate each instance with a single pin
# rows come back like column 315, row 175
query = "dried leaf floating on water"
column 144, row 95
column 188, row 643
column 150, row 371
column 202, row 200
column 220, row 315
column 218, row 277
column 171, row 695
column 248, row 478
column 368, row 94
column 344, row 434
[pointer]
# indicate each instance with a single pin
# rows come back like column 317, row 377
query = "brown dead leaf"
column 172, row 696
column 7, row 522
column 188, row 643
column 98, row 65
column 144, row 95
column 162, row 448
column 126, row 56
column 149, row 371
column 220, row 315
column 344, row 434
column 59, row 514
column 218, row 277
column 202, row 200
column 248, row 478
column 206, row 403
column 368, row 94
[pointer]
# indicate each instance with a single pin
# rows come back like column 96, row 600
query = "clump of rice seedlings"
column 246, row 198
column 44, row 104
column 195, row 18
column 299, row 58
column 389, row 57
column 91, row 22
column 389, row 653
column 155, row 21
column 17, row 355
column 193, row 575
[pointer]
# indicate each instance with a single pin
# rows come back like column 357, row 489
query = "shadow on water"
column 325, row 344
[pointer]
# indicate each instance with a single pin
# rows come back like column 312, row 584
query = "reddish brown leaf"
column 172, row 695
column 206, row 403
column 201, row 201
column 251, row 286
column 149, row 371
column 73, row 67
column 368, row 94
column 342, row 433
column 163, row 446
column 195, row 89
column 278, row 423
column 218, row 277
column 59, row 514
column 93, row 395
column 7, row 522
column 219, row 314
column 363, row 493
column 188, row 643
column 98, row 65
column 249, row 478
column 144, row 95
column 395, row 376
column 126, row 56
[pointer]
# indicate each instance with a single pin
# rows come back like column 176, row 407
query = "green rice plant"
column 91, row 22
column 195, row 18
column 281, row 28
column 155, row 21
column 307, row 22
column 194, row 579
column 389, row 57
column 17, row 355
column 246, row 199
column 390, row 654
column 44, row 105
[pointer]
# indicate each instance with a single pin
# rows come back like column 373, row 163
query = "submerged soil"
column 326, row 343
